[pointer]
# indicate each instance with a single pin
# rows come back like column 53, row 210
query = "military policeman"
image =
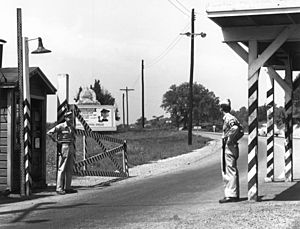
column 230, row 154
column 65, row 136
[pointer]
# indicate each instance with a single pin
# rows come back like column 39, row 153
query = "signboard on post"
column 98, row 117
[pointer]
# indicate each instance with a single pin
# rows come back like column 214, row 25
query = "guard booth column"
column 252, row 123
column 288, row 143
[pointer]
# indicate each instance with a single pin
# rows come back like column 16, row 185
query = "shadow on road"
column 22, row 213
column 289, row 191
column 292, row 193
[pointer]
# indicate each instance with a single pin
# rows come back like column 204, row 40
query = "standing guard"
column 65, row 136
column 232, row 132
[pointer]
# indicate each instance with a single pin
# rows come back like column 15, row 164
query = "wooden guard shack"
column 40, row 87
column 264, row 34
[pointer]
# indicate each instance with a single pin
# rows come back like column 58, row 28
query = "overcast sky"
column 107, row 40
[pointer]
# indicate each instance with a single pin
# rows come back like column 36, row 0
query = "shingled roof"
column 9, row 78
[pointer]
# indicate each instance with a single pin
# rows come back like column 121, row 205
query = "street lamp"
column 40, row 50
column 26, row 111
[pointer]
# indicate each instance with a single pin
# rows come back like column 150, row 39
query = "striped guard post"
column 270, row 133
column 27, row 147
column 288, row 144
column 27, row 120
column 61, row 110
column 125, row 159
column 253, row 139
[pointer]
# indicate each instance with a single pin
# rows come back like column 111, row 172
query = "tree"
column 242, row 116
column 139, row 121
column 102, row 95
column 205, row 104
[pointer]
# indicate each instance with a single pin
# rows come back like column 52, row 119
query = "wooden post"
column 270, row 132
column 143, row 102
column 21, row 109
column 27, row 119
column 253, row 125
column 288, row 143
column 123, row 102
column 126, row 90
column 190, row 123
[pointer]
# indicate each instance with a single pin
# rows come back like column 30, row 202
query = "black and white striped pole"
column 288, row 134
column 27, row 119
column 270, row 132
column 253, row 125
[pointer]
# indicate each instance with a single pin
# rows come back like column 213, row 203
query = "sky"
column 108, row 39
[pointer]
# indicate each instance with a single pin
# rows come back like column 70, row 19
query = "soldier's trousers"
column 65, row 167
column 230, row 171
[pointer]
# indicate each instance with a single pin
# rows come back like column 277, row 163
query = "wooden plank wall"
column 3, row 145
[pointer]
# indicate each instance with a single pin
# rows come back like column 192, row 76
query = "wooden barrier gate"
column 79, row 168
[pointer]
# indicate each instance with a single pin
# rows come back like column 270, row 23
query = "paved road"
column 160, row 199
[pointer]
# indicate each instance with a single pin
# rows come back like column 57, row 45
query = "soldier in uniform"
column 230, row 154
column 65, row 137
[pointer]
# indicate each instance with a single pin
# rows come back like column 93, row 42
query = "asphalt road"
column 160, row 199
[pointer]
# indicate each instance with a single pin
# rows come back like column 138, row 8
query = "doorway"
column 37, row 142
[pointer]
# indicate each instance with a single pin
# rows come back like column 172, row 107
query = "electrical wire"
column 183, row 6
column 168, row 49
column 135, row 82
column 186, row 14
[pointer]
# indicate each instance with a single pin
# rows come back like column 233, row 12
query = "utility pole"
column 123, row 102
column 192, row 34
column 127, row 89
column 143, row 104
column 190, row 124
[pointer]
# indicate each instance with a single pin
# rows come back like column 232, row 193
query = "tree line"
column 206, row 108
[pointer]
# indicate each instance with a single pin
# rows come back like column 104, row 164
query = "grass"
column 143, row 146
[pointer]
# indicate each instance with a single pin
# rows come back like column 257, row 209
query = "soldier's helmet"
column 225, row 105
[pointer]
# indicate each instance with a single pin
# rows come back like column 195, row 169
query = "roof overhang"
column 263, row 21
column 9, row 78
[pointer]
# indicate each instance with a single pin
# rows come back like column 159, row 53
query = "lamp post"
column 191, row 34
column 26, row 111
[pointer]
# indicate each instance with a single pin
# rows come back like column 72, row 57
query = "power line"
column 159, row 58
column 182, row 5
column 186, row 14
column 136, row 80
column 168, row 49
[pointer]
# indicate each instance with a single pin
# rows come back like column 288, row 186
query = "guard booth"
column 40, row 87
column 265, row 34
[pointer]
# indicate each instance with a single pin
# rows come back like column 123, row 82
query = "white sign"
column 98, row 117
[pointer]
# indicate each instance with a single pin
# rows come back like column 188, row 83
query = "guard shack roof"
column 9, row 79
column 244, row 20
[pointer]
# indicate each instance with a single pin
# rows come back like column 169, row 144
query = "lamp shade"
column 40, row 49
